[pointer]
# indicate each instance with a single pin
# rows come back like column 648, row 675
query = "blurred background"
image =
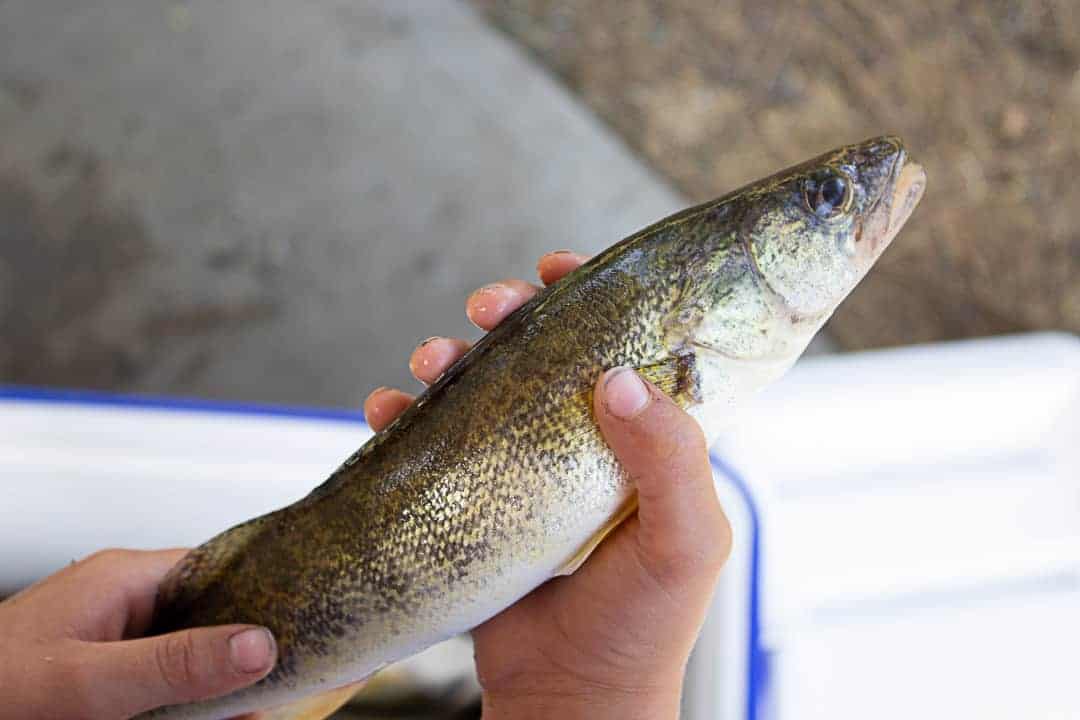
column 273, row 202
column 986, row 94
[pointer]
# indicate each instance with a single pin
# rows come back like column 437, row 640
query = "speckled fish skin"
column 497, row 477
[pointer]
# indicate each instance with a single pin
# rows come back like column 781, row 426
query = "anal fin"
column 314, row 707
column 591, row 544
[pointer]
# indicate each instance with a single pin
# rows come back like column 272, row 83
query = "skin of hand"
column 68, row 649
column 612, row 640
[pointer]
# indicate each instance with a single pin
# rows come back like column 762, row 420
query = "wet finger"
column 131, row 676
column 554, row 265
column 684, row 536
column 383, row 405
column 489, row 306
column 433, row 356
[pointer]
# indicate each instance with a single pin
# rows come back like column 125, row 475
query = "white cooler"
column 81, row 471
column 907, row 522
column 920, row 534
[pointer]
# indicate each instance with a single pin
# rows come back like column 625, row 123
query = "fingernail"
column 560, row 252
column 625, row 394
column 417, row 360
column 376, row 391
column 431, row 339
column 252, row 650
column 471, row 308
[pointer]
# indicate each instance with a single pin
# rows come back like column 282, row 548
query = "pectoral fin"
column 675, row 377
column 586, row 550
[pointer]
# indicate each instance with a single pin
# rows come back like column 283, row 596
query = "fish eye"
column 827, row 194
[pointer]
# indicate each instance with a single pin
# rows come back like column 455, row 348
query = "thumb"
column 135, row 675
column 683, row 532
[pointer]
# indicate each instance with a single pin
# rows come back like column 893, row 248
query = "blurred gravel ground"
column 275, row 201
column 987, row 94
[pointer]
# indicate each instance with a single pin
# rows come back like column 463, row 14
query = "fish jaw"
column 897, row 202
column 755, row 334
column 908, row 191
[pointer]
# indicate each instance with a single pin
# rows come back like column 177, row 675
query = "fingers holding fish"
column 486, row 308
column 383, row 405
column 434, row 356
column 131, row 676
column 684, row 535
column 553, row 266
column 489, row 306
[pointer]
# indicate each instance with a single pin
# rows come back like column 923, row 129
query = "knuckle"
column 699, row 554
column 711, row 557
column 177, row 663
column 667, row 447
column 674, row 568
column 676, row 437
column 690, row 437
column 108, row 556
column 722, row 540
column 712, row 544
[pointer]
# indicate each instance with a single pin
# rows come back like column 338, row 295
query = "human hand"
column 611, row 640
column 67, row 649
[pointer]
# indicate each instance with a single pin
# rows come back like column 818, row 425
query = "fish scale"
column 497, row 479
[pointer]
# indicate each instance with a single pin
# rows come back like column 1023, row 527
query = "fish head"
column 816, row 229
column 767, row 265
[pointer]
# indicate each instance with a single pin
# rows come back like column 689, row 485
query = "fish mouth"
column 907, row 191
column 896, row 202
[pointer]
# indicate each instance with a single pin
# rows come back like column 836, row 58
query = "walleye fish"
column 497, row 479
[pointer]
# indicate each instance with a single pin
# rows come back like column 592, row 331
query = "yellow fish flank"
column 497, row 478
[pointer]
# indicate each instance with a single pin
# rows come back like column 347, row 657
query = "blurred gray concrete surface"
column 274, row 201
